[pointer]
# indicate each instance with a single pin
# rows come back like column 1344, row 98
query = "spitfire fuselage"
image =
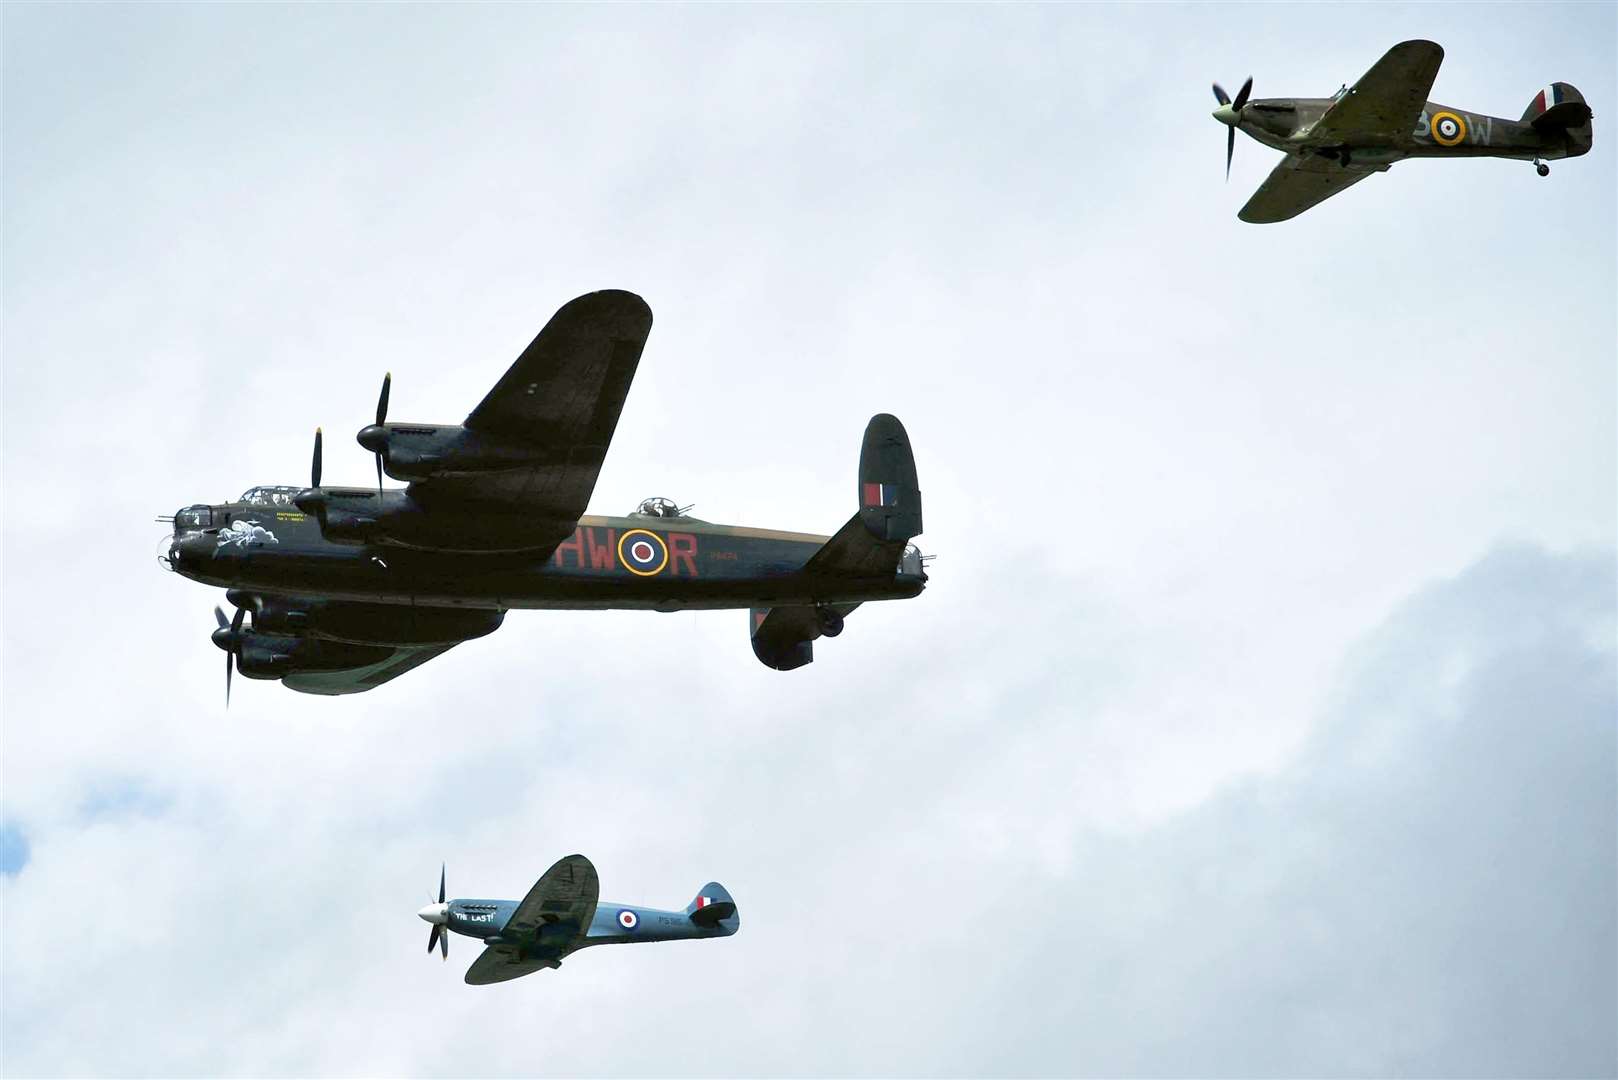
column 612, row 924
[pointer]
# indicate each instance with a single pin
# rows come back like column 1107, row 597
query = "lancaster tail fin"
column 890, row 498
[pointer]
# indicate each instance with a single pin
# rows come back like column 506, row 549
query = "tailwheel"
column 1541, row 168
column 831, row 623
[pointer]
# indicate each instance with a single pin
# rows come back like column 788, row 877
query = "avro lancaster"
column 1333, row 143
column 347, row 588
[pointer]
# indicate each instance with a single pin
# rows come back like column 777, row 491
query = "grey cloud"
column 1430, row 889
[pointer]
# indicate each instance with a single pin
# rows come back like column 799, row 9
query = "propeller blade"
column 382, row 418
column 219, row 617
column 1230, row 149
column 1241, row 95
column 443, row 944
column 440, row 883
column 235, row 645
column 1220, row 95
column 314, row 466
column 432, row 938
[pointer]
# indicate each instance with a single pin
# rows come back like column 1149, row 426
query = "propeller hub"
column 309, row 500
column 1227, row 115
column 437, row 914
column 374, row 437
column 224, row 637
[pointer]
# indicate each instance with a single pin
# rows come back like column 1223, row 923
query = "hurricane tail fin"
column 1560, row 110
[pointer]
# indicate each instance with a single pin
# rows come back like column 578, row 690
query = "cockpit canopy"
column 269, row 495
column 659, row 507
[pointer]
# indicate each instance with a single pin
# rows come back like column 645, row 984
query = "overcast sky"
column 1259, row 718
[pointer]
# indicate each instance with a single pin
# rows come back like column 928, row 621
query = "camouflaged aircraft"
column 350, row 587
column 561, row 915
column 1333, row 143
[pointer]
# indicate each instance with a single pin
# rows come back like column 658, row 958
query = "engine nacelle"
column 275, row 656
column 421, row 451
column 397, row 625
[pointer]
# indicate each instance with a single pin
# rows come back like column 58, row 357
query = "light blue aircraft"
column 561, row 915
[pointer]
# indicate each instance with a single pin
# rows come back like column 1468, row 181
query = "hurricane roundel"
column 1448, row 129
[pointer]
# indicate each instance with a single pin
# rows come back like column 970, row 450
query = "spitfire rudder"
column 714, row 907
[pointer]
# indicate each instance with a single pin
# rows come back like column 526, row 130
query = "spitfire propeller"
column 1229, row 113
column 229, row 637
column 438, row 913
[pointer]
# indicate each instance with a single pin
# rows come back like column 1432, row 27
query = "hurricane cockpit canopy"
column 269, row 495
column 659, row 507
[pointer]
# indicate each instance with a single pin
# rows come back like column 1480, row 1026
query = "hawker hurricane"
column 347, row 588
column 1333, row 143
column 561, row 915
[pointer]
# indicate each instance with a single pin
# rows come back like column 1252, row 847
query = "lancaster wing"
column 360, row 679
column 559, row 404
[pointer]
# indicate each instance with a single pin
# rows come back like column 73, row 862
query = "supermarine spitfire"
column 350, row 587
column 561, row 915
column 1333, row 143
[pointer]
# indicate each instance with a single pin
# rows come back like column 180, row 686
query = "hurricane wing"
column 1387, row 101
column 1299, row 183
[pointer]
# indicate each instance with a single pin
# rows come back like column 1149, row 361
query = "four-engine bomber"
column 347, row 588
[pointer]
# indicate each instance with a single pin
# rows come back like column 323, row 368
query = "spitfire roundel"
column 628, row 919
column 643, row 553
column 1448, row 128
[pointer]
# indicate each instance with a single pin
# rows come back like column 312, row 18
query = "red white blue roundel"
column 642, row 552
column 628, row 919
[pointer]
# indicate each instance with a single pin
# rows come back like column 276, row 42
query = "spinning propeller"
column 437, row 914
column 1229, row 113
column 229, row 635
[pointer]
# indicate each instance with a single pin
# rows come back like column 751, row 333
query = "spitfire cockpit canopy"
column 659, row 507
column 269, row 495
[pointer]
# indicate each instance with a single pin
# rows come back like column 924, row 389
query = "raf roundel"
column 1448, row 129
column 628, row 919
column 642, row 553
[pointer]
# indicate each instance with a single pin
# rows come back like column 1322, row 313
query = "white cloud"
column 1174, row 465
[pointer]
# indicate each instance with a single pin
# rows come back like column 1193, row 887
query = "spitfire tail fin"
column 1561, row 109
column 713, row 908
